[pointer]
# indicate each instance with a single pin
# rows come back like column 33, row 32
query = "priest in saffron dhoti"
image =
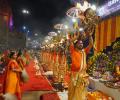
column 79, row 78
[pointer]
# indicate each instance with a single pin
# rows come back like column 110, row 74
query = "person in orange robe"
column 20, row 60
column 12, row 79
column 27, row 56
column 79, row 78
column 55, row 65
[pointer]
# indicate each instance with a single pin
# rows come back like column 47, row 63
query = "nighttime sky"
column 44, row 14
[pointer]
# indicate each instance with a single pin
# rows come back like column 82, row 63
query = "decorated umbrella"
column 52, row 34
column 78, row 10
column 88, row 20
column 48, row 37
column 59, row 26
column 74, row 12
column 62, row 29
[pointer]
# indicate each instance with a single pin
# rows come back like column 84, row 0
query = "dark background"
column 43, row 13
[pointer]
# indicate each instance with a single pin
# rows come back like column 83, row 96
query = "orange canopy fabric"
column 106, row 32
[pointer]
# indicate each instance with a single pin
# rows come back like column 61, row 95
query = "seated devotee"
column 37, row 66
column 20, row 59
column 26, row 57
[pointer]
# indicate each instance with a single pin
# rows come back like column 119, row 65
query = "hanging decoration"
column 87, row 17
column 59, row 26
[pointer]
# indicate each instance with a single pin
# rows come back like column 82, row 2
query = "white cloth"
column 115, row 93
column 24, row 76
column 48, row 73
column 63, row 95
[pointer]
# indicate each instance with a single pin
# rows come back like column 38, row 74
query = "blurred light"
column 62, row 40
column 66, row 27
column 28, row 31
column 108, row 8
column 78, row 5
column 81, row 29
column 67, row 36
column 36, row 34
column 11, row 23
column 48, row 37
column 24, row 11
column 52, row 45
column 27, row 12
column 83, row 6
column 34, row 41
column 24, row 27
column 35, row 46
column 86, row 5
column 52, row 34
column 46, row 41
column 59, row 31
column 93, row 7
column 55, row 34
column 74, row 20
column 37, row 42
column 29, row 39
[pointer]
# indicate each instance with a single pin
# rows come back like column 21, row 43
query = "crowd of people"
column 62, row 60
column 12, row 65
column 69, row 58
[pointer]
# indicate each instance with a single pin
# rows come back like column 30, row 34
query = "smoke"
column 65, row 21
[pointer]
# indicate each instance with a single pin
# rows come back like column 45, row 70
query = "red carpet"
column 50, row 96
column 36, row 82
column 1, row 83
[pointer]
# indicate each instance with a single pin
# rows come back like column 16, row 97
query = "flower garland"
column 98, row 61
